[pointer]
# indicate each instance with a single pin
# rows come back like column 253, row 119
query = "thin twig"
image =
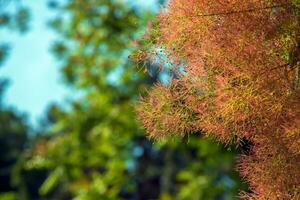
column 240, row 11
column 274, row 68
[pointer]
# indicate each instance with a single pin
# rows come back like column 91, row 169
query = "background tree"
column 13, row 137
column 14, row 16
column 95, row 148
column 14, row 130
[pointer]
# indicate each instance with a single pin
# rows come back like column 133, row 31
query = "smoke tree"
column 237, row 79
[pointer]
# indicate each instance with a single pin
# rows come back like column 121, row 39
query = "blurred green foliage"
column 13, row 137
column 13, row 126
column 94, row 148
column 14, row 16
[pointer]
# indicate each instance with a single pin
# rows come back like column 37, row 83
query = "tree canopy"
column 237, row 80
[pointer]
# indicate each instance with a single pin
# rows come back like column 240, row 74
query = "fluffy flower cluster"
column 241, row 81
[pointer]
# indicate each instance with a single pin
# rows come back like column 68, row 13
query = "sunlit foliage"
column 241, row 82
